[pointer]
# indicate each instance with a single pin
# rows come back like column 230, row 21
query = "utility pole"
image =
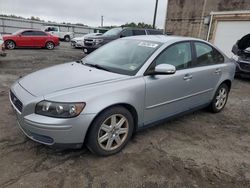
column 101, row 21
column 156, row 6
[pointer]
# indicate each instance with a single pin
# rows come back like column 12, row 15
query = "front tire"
column 9, row 44
column 220, row 99
column 50, row 45
column 110, row 131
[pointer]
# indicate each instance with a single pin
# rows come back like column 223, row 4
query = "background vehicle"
column 30, row 38
column 124, row 86
column 92, row 43
column 55, row 30
column 78, row 42
column 2, row 47
column 242, row 56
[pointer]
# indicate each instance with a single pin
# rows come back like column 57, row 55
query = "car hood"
column 241, row 45
column 7, row 36
column 65, row 76
column 78, row 38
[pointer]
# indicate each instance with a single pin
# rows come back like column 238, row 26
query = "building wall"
column 10, row 25
column 186, row 17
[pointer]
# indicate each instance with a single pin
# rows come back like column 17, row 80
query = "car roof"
column 162, row 38
column 22, row 30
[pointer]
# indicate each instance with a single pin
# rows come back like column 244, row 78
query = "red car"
column 30, row 38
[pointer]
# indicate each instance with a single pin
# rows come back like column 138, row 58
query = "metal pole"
column 156, row 6
column 101, row 21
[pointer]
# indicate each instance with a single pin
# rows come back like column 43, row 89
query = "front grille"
column 245, row 66
column 88, row 42
column 18, row 104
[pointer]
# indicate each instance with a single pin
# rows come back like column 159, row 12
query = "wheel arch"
column 127, row 106
column 9, row 40
column 228, row 83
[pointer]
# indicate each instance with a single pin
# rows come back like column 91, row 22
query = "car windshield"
column 123, row 56
column 17, row 32
column 113, row 32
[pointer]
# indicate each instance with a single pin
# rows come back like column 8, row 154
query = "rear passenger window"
column 207, row 55
column 139, row 32
column 40, row 33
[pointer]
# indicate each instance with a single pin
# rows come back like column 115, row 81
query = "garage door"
column 228, row 32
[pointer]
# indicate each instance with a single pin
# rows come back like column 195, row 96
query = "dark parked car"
column 94, row 42
column 30, row 38
column 242, row 56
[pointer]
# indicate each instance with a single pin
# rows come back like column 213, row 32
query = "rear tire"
column 10, row 44
column 110, row 131
column 50, row 45
column 67, row 38
column 220, row 99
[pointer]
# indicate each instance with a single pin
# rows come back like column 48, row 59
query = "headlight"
column 59, row 110
column 98, row 41
column 235, row 57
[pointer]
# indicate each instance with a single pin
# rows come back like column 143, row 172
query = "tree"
column 139, row 25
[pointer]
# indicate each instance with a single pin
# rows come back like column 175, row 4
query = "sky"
column 88, row 12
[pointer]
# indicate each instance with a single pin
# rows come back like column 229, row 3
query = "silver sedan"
column 120, row 88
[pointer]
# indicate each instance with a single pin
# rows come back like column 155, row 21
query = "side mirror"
column 163, row 69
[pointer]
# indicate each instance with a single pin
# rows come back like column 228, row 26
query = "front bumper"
column 55, row 132
column 76, row 44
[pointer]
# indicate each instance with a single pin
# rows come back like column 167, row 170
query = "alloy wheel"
column 113, row 132
column 221, row 98
column 50, row 45
column 10, row 45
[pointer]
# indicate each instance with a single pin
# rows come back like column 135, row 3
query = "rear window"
column 139, row 32
column 39, row 33
column 154, row 32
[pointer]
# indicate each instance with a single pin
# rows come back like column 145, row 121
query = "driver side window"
column 126, row 33
column 178, row 55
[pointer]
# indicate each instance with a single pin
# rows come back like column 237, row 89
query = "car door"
column 25, row 39
column 40, row 38
column 206, row 72
column 55, row 31
column 167, row 95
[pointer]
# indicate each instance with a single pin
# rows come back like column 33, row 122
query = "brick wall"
column 186, row 17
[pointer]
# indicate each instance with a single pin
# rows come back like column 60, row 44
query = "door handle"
column 187, row 77
column 217, row 71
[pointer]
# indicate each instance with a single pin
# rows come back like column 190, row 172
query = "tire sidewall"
column 67, row 38
column 92, row 137
column 213, row 106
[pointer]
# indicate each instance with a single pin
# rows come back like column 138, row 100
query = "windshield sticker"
column 148, row 44
column 132, row 67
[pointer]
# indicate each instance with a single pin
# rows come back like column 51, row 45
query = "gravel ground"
column 198, row 150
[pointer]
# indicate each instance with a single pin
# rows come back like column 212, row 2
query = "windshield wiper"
column 79, row 61
column 96, row 66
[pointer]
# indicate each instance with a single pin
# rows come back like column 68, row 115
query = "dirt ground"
column 197, row 150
